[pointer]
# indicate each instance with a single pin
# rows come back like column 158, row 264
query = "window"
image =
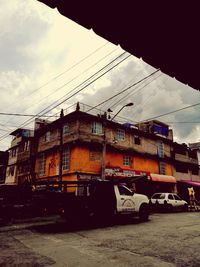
column 120, row 134
column 137, row 140
column 65, row 159
column 124, row 191
column 13, row 152
column 160, row 149
column 170, row 196
column 65, row 128
column 181, row 168
column 11, row 171
column 97, row 128
column 158, row 196
column 26, row 146
column 126, row 160
column 162, row 167
column 47, row 136
column 42, row 164
column 177, row 197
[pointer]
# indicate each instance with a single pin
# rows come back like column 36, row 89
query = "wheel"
column 185, row 207
column 167, row 207
column 144, row 212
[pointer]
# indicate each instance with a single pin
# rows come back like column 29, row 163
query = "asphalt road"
column 166, row 240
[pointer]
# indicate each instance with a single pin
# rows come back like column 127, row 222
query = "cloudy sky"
column 46, row 58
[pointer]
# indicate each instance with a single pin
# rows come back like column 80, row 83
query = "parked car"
column 168, row 201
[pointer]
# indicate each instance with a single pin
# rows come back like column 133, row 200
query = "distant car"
column 168, row 201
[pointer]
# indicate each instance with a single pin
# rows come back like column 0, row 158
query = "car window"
column 170, row 196
column 124, row 191
column 177, row 197
column 158, row 196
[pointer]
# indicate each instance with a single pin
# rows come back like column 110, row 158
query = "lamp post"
column 127, row 105
column 103, row 176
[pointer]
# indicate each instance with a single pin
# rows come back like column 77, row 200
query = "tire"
column 185, row 207
column 144, row 212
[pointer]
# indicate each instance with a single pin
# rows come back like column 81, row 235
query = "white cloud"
column 37, row 43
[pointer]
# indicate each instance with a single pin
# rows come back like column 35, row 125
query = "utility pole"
column 61, row 145
column 103, row 176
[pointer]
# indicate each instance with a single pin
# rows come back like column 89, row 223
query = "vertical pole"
column 61, row 145
column 103, row 158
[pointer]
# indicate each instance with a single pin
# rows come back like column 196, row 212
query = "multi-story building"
column 187, row 171
column 3, row 165
column 83, row 146
column 19, row 161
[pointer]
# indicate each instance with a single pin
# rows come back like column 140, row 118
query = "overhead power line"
column 24, row 115
column 124, row 90
column 171, row 112
column 70, row 68
column 40, row 115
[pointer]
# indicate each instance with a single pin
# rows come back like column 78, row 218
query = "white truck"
column 103, row 200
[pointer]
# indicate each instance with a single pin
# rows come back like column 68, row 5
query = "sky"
column 45, row 58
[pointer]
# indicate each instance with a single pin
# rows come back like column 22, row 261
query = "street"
column 166, row 240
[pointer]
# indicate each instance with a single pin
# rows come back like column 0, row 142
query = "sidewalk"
column 19, row 224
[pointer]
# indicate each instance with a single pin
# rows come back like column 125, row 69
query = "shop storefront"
column 161, row 183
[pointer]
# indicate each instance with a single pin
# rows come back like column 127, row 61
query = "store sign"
column 119, row 172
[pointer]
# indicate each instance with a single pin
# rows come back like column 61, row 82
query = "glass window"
column 120, row 134
column 47, row 136
column 26, row 146
column 42, row 165
column 97, row 128
column 11, row 171
column 158, row 196
column 126, row 160
column 162, row 168
column 170, row 196
column 65, row 159
column 137, row 140
column 160, row 149
column 124, row 191
column 13, row 152
column 177, row 197
column 65, row 128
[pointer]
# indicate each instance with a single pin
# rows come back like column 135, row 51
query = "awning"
column 162, row 178
column 189, row 182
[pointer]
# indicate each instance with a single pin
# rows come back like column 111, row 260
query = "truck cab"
column 128, row 202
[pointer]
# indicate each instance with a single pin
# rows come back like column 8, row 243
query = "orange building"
column 83, row 146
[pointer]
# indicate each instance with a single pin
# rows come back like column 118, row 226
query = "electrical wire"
column 74, row 78
column 171, row 112
column 39, row 114
column 23, row 115
column 125, row 89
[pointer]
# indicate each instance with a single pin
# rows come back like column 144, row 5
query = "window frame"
column 42, row 165
column 97, row 128
column 65, row 159
column 47, row 136
column 137, row 137
column 65, row 129
column 160, row 149
column 126, row 160
column 120, row 135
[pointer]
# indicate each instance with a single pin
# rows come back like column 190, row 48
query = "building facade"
column 3, row 165
column 19, row 166
column 83, row 146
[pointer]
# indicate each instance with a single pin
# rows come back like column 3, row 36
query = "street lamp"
column 127, row 105
column 103, row 176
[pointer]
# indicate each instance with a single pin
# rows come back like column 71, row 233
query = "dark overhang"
column 163, row 33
